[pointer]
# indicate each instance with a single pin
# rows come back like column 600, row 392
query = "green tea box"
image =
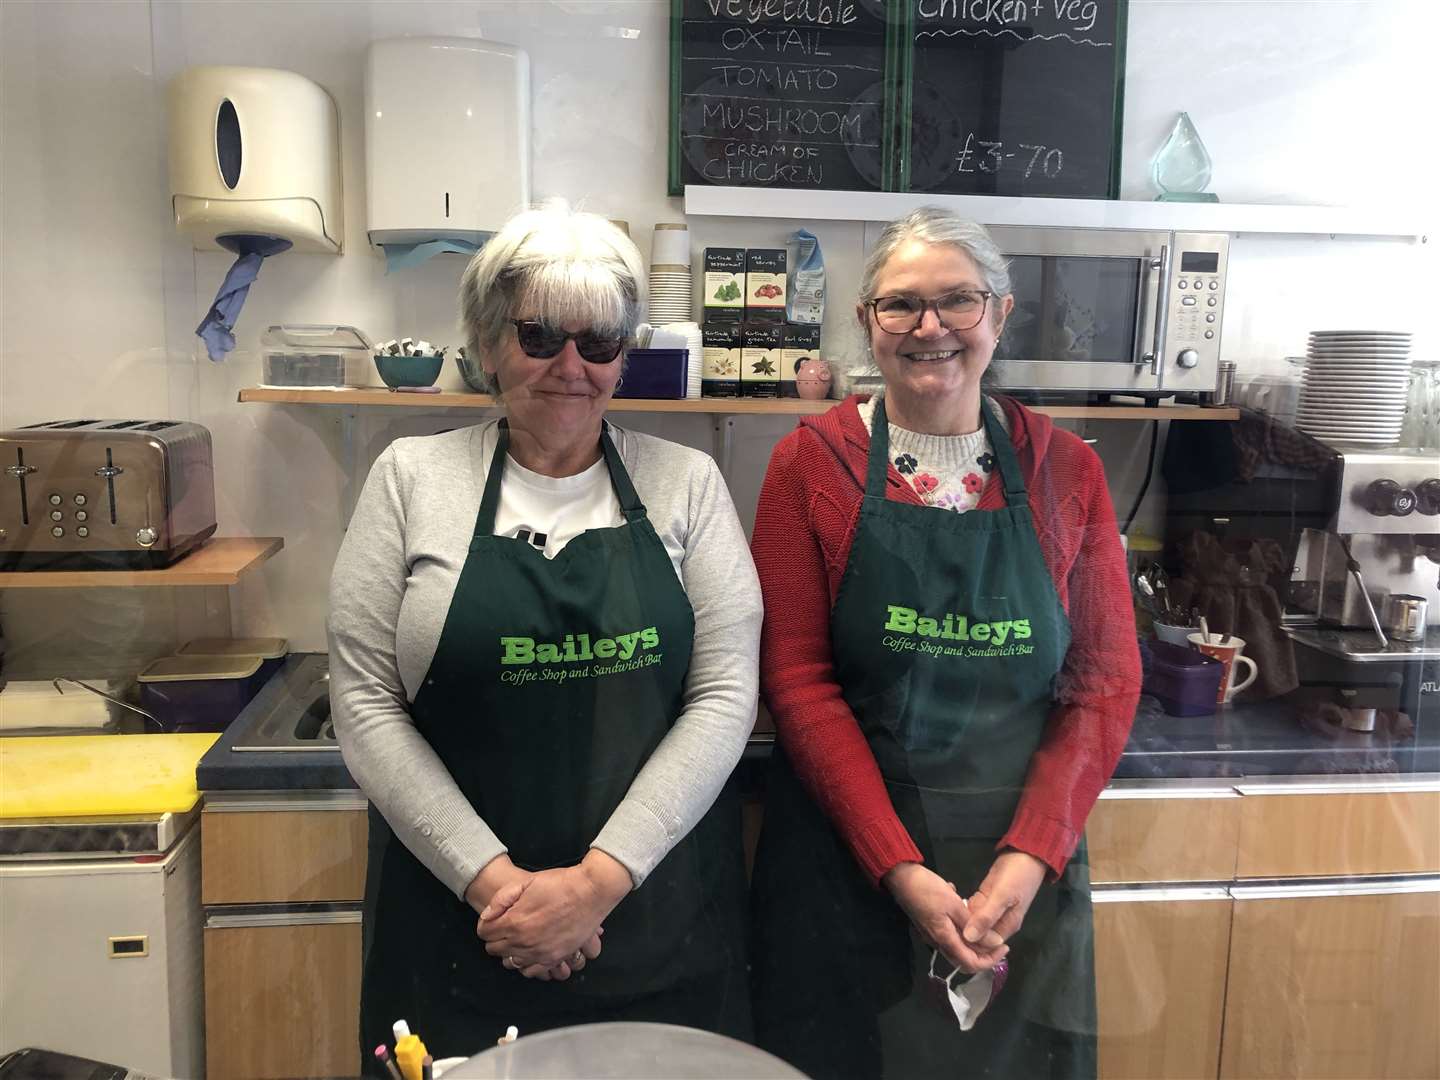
column 760, row 359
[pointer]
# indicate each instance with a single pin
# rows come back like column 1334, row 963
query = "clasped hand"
column 971, row 936
column 547, row 925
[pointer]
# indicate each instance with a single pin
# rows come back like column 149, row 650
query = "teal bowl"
column 398, row 371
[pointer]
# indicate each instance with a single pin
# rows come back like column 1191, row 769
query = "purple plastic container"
column 655, row 373
column 1185, row 682
column 201, row 693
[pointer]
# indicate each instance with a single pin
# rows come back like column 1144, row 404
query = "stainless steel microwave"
column 1113, row 310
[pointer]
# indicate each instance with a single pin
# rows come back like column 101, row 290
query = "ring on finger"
column 577, row 958
column 512, row 963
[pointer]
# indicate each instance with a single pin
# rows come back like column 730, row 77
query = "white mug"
column 1229, row 652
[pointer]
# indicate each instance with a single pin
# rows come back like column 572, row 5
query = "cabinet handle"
column 1129, row 895
column 1391, row 887
column 221, row 921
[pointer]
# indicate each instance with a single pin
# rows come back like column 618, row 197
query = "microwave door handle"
column 1162, row 308
column 1143, row 296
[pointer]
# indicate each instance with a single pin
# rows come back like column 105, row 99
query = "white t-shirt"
column 550, row 511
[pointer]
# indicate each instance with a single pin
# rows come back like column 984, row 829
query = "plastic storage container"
column 655, row 373
column 199, row 693
column 318, row 357
column 1184, row 681
column 271, row 651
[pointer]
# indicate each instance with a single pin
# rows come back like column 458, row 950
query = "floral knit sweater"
column 947, row 471
column 804, row 526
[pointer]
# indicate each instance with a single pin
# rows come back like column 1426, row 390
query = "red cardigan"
column 804, row 526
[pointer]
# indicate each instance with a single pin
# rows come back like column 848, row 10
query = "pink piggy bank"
column 812, row 379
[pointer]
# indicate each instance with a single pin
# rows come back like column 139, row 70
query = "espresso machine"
column 1376, row 568
column 1360, row 532
column 1365, row 590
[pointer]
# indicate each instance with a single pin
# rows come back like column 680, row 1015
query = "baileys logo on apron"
column 556, row 661
column 910, row 631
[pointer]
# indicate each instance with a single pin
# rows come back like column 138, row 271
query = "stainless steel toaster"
column 104, row 494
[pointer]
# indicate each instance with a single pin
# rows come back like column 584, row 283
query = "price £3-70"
column 990, row 156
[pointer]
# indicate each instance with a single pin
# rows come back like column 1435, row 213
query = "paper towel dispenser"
column 254, row 153
column 447, row 138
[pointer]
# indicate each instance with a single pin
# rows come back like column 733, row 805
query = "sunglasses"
column 542, row 341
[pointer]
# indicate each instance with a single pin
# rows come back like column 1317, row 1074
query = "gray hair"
column 564, row 265
column 935, row 225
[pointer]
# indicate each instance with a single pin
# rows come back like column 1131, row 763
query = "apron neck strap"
column 1011, row 475
column 630, row 504
column 1005, row 459
column 879, row 464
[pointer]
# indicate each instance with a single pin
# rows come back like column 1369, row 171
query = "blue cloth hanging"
column 217, row 329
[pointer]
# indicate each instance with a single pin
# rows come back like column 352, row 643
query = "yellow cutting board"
column 62, row 776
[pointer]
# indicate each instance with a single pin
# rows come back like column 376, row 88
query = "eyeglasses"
column 959, row 310
column 542, row 341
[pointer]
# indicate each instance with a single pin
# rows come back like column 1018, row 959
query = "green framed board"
column 995, row 97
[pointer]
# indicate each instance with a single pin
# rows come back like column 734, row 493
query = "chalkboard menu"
column 1013, row 97
column 782, row 93
column 997, row 97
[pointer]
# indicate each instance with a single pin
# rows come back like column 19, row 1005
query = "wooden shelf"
column 220, row 561
column 714, row 406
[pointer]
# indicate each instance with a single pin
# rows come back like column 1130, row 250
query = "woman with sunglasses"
column 543, row 639
column 949, row 655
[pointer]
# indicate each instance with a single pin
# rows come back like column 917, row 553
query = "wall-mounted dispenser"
column 254, row 152
column 447, row 143
column 254, row 169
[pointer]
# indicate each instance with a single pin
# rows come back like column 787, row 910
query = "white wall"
column 1310, row 102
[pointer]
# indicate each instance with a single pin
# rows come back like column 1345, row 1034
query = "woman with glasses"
column 543, row 638
column 949, row 656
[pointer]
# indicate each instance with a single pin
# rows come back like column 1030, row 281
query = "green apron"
column 947, row 635
column 553, row 682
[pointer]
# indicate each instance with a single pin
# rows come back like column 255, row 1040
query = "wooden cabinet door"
column 1160, row 960
column 1328, row 830
column 282, row 1000
column 1163, row 833
column 1334, row 981
column 283, row 856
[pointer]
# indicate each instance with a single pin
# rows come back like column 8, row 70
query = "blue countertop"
column 1274, row 738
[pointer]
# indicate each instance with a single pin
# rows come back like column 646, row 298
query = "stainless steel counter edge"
column 1277, row 785
column 1162, row 893
column 225, row 802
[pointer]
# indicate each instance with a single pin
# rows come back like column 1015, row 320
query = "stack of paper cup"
column 671, row 296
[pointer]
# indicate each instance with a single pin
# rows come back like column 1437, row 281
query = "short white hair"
column 555, row 263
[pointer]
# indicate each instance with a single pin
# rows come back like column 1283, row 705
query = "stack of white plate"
column 694, row 346
column 1356, row 383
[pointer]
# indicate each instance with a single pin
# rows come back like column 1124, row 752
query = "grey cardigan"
column 390, row 592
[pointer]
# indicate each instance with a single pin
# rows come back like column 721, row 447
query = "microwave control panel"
column 1196, row 306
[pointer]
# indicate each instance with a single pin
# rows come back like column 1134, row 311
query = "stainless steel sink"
column 292, row 711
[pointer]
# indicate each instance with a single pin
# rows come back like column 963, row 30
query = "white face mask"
column 971, row 995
